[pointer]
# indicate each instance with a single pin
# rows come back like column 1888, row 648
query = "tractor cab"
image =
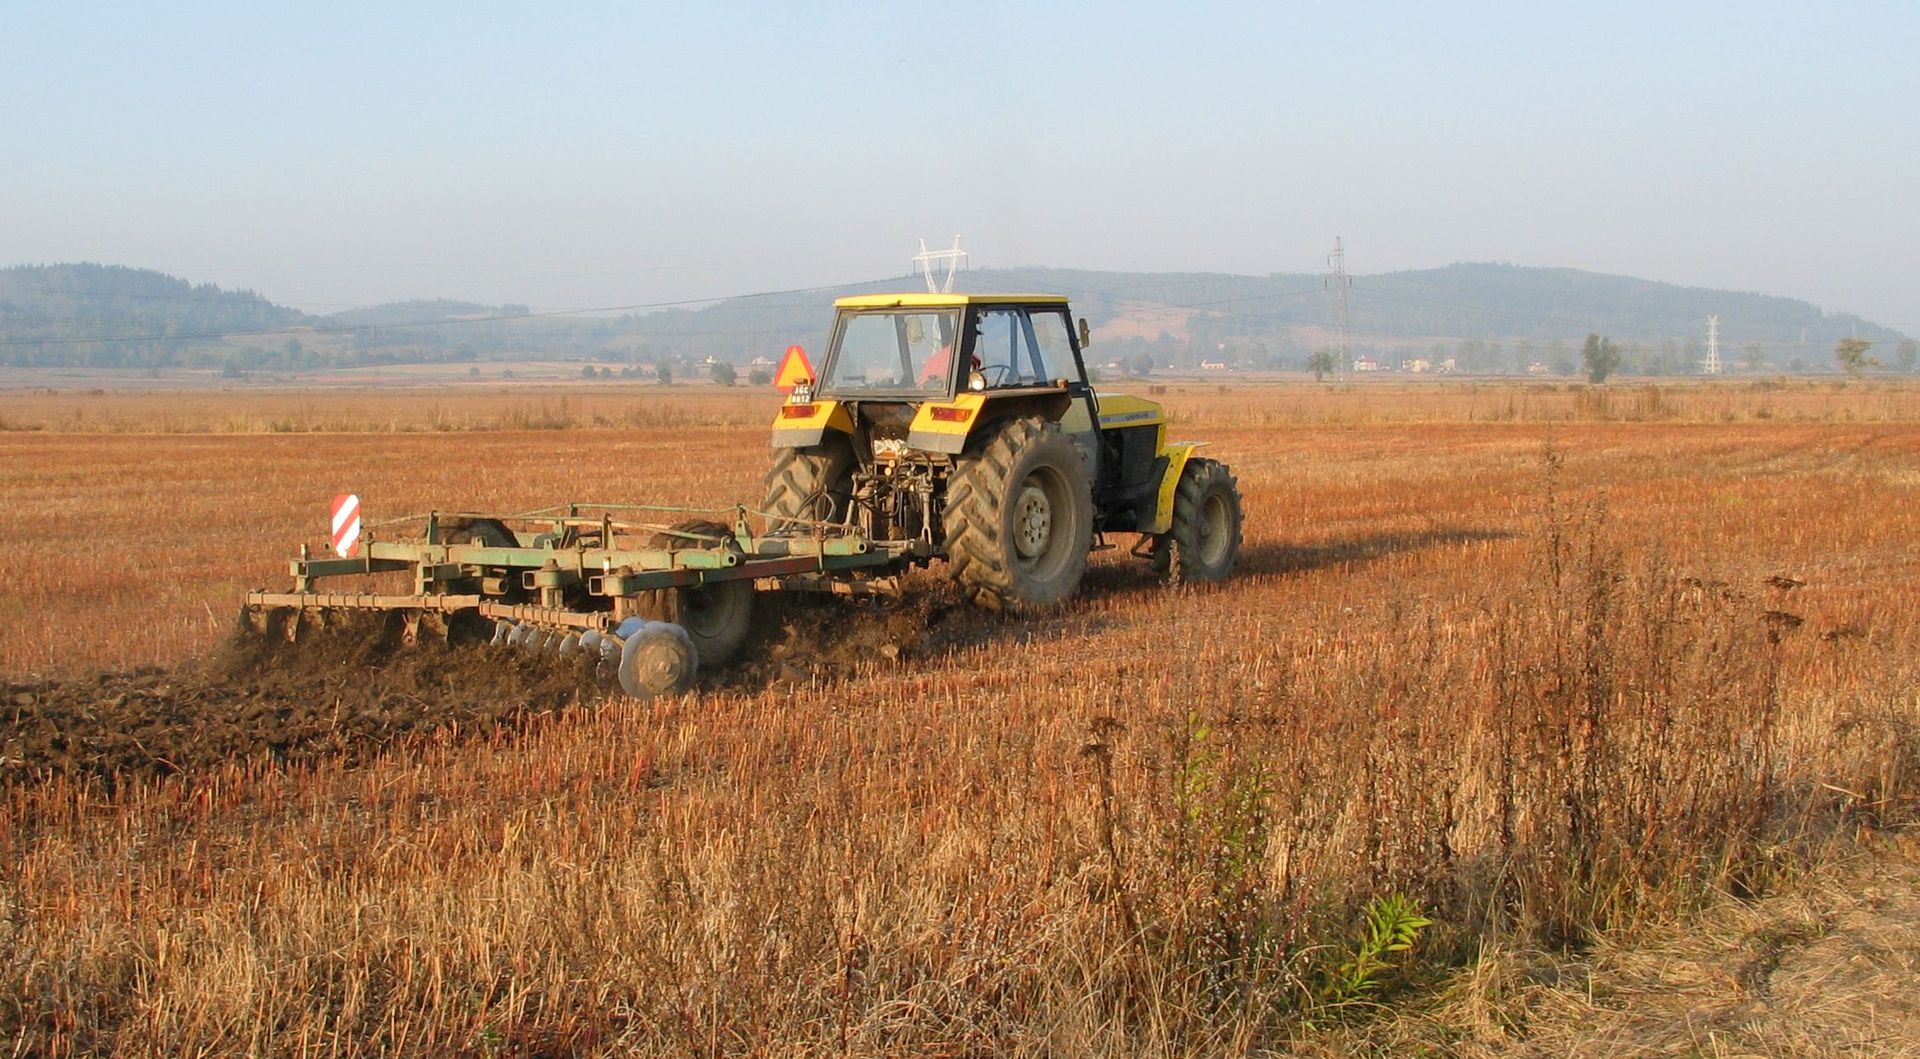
column 916, row 374
column 902, row 345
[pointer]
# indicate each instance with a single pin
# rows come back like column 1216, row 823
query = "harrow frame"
column 579, row 573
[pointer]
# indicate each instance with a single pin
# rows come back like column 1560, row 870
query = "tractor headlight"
column 976, row 382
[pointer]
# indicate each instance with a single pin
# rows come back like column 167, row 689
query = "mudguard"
column 801, row 425
column 1177, row 454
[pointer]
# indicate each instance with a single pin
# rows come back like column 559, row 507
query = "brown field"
column 435, row 405
column 1553, row 663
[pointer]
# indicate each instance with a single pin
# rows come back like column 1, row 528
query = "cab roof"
column 923, row 300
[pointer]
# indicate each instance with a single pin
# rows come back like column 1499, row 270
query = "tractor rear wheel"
column 809, row 485
column 1019, row 516
column 1205, row 537
column 717, row 616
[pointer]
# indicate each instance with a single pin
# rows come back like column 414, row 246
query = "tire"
column 488, row 532
column 814, row 484
column 1018, row 519
column 1204, row 540
column 718, row 617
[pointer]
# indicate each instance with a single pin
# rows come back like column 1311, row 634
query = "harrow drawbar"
column 652, row 602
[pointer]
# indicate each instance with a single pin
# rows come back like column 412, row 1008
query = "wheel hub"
column 1214, row 531
column 1032, row 521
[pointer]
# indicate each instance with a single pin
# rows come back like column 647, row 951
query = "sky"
column 581, row 155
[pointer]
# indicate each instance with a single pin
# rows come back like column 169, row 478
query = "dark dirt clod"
column 347, row 690
column 806, row 639
column 351, row 688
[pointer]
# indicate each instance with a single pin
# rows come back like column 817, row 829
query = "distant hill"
column 1491, row 317
column 110, row 316
column 1486, row 317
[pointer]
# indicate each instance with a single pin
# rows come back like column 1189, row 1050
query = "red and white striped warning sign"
column 346, row 525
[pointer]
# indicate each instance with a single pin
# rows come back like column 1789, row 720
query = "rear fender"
column 800, row 425
column 930, row 434
column 943, row 426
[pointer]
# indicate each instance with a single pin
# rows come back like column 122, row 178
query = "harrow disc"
column 657, row 659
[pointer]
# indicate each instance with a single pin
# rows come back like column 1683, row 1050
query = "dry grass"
column 1532, row 674
column 437, row 405
column 1824, row 968
column 392, row 409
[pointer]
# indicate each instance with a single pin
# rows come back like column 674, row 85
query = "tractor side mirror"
column 1086, row 337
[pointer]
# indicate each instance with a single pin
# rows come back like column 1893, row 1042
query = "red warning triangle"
column 794, row 369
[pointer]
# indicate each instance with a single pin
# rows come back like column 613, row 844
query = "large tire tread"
column 1180, row 555
column 725, row 606
column 801, row 478
column 975, row 517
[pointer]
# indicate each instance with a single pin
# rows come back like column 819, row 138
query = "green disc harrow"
column 650, row 591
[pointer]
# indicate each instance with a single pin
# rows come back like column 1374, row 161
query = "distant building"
column 1538, row 367
column 1213, row 365
column 1449, row 366
column 1419, row 364
column 1365, row 362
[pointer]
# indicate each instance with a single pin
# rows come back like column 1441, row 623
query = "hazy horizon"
column 619, row 156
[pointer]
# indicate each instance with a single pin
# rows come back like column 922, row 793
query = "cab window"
column 892, row 352
column 1003, row 349
column 1054, row 338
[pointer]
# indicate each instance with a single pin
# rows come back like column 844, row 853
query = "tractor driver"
column 934, row 371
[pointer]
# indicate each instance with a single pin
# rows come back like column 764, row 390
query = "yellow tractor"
column 964, row 427
column 941, row 426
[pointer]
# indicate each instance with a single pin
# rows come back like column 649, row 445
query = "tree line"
column 1476, row 318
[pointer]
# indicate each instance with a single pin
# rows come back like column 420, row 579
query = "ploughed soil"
column 346, row 689
column 353, row 687
column 803, row 639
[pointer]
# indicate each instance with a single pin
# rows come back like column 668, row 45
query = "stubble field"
column 1546, row 662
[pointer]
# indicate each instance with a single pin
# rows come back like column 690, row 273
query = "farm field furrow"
column 1545, row 676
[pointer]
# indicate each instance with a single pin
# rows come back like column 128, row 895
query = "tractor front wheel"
column 1204, row 540
column 1019, row 517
